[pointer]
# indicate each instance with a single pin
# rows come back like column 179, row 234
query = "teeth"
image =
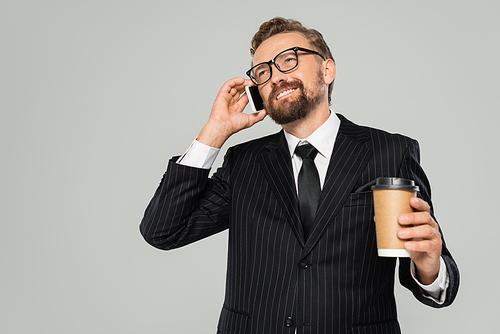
column 284, row 93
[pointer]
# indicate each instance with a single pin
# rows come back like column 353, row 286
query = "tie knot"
column 306, row 151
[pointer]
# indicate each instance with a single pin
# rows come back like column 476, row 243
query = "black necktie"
column 309, row 187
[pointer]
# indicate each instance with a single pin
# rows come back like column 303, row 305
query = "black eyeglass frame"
column 273, row 61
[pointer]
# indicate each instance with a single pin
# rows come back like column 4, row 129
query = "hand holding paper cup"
column 391, row 198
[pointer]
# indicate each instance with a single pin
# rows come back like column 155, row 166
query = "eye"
column 287, row 60
column 262, row 73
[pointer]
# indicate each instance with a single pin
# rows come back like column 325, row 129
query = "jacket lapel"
column 347, row 162
column 276, row 165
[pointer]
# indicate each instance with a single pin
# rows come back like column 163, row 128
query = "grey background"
column 95, row 96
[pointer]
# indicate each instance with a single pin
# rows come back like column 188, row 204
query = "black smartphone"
column 254, row 98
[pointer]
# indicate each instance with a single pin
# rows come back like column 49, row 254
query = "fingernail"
column 403, row 218
column 402, row 233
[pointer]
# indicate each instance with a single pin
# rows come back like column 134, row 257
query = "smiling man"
column 288, row 100
column 302, row 253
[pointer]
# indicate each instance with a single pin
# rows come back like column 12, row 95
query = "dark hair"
column 279, row 25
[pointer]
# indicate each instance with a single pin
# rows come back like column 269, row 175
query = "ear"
column 329, row 71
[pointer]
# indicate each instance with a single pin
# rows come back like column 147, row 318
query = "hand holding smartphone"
column 254, row 98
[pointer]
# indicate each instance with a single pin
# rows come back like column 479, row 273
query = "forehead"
column 277, row 43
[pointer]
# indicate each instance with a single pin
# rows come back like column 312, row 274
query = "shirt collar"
column 323, row 138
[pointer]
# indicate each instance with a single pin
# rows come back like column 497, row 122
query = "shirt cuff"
column 435, row 291
column 199, row 155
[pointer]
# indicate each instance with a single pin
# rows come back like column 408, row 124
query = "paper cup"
column 391, row 197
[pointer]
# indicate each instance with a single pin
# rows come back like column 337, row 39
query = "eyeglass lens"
column 284, row 62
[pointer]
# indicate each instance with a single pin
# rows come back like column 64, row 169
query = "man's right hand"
column 227, row 117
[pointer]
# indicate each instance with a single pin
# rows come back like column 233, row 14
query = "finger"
column 257, row 117
column 242, row 101
column 234, row 93
column 244, row 97
column 238, row 83
column 419, row 204
column 426, row 232
column 232, row 83
column 240, row 88
column 234, row 89
column 427, row 246
column 415, row 218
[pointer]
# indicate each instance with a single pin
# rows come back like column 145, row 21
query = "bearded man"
column 302, row 252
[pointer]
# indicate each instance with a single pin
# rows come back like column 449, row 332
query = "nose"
column 277, row 76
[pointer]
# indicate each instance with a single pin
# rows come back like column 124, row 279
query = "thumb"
column 256, row 117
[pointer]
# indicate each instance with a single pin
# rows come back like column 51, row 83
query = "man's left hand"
column 425, row 240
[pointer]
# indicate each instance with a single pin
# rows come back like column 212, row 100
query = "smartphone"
column 254, row 98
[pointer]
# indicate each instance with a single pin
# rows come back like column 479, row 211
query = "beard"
column 301, row 105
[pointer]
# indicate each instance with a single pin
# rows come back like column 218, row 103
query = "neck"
column 303, row 128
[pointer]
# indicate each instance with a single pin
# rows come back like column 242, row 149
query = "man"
column 300, row 260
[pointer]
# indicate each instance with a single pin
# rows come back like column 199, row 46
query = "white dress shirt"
column 323, row 139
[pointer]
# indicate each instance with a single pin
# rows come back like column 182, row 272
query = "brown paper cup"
column 389, row 204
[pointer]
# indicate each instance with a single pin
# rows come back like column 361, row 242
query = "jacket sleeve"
column 187, row 206
column 410, row 168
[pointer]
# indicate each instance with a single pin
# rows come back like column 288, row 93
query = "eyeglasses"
column 284, row 62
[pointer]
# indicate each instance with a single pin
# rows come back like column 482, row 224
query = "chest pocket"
column 360, row 199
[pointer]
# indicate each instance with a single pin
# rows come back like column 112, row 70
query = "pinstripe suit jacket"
column 277, row 282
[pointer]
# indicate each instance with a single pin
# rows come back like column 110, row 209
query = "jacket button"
column 289, row 322
column 303, row 264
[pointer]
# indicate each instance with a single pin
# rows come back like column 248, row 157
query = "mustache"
column 286, row 84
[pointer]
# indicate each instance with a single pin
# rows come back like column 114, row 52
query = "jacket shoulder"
column 255, row 146
column 373, row 136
